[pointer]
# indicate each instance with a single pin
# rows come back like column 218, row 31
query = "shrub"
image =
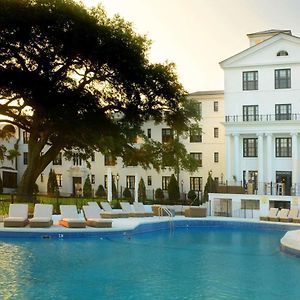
column 210, row 187
column 159, row 195
column 142, row 190
column 101, row 191
column 114, row 189
column 127, row 194
column 52, row 186
column 1, row 186
column 87, row 188
column 173, row 190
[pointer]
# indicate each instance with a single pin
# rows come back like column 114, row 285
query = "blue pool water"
column 190, row 263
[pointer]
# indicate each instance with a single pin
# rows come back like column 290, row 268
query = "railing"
column 262, row 118
column 161, row 211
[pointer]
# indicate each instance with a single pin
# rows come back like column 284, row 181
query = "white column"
column 260, row 163
column 237, row 170
column 136, row 188
column 228, row 157
column 109, row 185
column 295, row 161
column 269, row 158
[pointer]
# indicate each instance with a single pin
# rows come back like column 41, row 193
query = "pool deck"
column 290, row 242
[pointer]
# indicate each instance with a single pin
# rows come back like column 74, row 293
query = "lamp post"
column 182, row 186
column 117, row 177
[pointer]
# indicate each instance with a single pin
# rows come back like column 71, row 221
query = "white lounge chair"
column 96, row 207
column 93, row 218
column 17, row 215
column 283, row 213
column 139, row 207
column 272, row 214
column 42, row 216
column 127, row 209
column 110, row 213
column 70, row 217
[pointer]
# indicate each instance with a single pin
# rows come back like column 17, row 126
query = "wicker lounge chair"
column 272, row 214
column 195, row 212
column 70, row 217
column 139, row 207
column 93, row 218
column 283, row 213
column 42, row 216
column 293, row 215
column 127, row 209
column 110, row 213
column 17, row 215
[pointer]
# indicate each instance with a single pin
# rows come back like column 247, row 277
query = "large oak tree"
column 77, row 80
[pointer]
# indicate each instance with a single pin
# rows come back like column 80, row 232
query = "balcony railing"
column 263, row 118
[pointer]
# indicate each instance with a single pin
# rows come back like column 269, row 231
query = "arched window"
column 282, row 53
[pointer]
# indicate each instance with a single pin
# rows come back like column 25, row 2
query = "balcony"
column 262, row 118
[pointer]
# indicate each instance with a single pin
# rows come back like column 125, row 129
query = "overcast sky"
column 197, row 34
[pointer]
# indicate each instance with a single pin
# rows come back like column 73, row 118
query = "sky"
column 197, row 34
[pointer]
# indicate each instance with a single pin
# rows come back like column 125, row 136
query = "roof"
column 271, row 31
column 199, row 93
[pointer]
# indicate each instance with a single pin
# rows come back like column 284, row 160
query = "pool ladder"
column 161, row 211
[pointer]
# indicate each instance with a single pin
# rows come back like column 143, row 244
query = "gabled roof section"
column 271, row 31
column 229, row 62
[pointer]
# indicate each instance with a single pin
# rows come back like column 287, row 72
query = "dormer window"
column 282, row 53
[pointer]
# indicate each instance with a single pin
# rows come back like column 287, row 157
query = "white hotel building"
column 207, row 146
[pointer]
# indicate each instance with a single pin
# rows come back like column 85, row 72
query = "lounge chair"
column 195, row 212
column 272, row 214
column 17, row 215
column 42, row 216
column 110, row 213
column 93, row 218
column 70, row 217
column 293, row 215
column 96, row 207
column 127, row 209
column 139, row 207
column 283, row 213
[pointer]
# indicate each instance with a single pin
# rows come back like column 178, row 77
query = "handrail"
column 161, row 211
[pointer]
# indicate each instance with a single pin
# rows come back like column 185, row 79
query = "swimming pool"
column 189, row 263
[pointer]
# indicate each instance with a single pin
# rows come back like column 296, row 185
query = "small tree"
column 127, row 193
column 142, row 190
column 101, row 191
column 210, row 187
column 173, row 190
column 1, row 186
column 52, row 185
column 87, row 188
column 114, row 189
column 159, row 195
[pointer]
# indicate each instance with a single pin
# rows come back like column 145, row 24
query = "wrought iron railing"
column 262, row 118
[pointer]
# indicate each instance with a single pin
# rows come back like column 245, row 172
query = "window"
column 195, row 135
column 149, row 180
column 130, row 182
column 25, row 158
column 58, row 160
column 283, row 111
column 250, row 147
column 250, row 80
column 216, row 106
column 216, row 157
column 77, row 160
column 113, row 178
column 283, row 147
column 196, row 183
column 250, row 113
column 216, row 132
column 165, row 182
column 93, row 179
column 282, row 78
column 59, row 179
column 149, row 133
column 199, row 108
column 9, row 179
column 25, row 137
column 166, row 135
column 42, row 177
column 197, row 156
column 93, row 156
column 282, row 53
column 109, row 160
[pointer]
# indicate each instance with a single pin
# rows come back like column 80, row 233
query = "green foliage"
column 142, row 191
column 173, row 190
column 191, row 195
column 101, row 191
column 210, row 187
column 114, row 189
column 159, row 195
column 87, row 188
column 52, row 186
column 35, row 188
column 127, row 193
column 1, row 185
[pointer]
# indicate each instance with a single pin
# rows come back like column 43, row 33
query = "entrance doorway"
column 77, row 186
column 250, row 181
column 283, row 182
